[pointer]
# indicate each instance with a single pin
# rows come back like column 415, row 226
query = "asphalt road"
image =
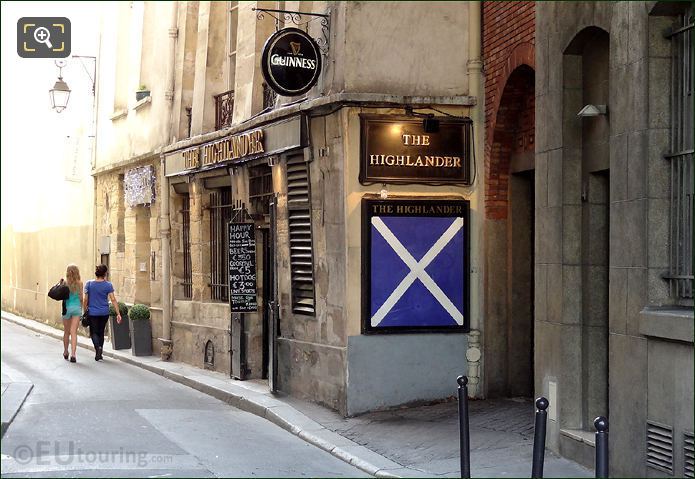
column 109, row 419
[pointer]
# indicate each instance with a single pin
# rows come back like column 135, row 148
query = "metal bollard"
column 601, row 425
column 463, row 427
column 539, row 437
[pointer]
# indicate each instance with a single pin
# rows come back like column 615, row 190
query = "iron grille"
column 688, row 455
column 680, row 272
column 224, row 106
column 269, row 97
column 186, row 237
column 220, row 216
column 260, row 188
column 301, row 252
column 660, row 447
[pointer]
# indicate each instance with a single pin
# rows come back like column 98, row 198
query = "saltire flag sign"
column 415, row 265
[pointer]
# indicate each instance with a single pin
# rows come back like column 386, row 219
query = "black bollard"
column 465, row 443
column 601, row 425
column 539, row 437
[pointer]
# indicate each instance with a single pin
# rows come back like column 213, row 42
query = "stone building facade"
column 613, row 258
column 298, row 184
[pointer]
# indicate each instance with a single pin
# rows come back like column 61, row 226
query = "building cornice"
column 338, row 100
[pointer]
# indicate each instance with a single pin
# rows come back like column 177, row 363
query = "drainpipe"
column 475, row 87
column 165, row 233
column 165, row 227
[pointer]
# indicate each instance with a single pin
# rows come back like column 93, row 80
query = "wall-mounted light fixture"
column 60, row 93
column 429, row 123
column 592, row 110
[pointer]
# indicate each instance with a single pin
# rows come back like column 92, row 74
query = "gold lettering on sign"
column 417, row 162
column 416, row 140
column 226, row 149
column 191, row 159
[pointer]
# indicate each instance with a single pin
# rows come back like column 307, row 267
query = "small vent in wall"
column 688, row 455
column 660, row 447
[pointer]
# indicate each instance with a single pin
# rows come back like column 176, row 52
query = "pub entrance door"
column 270, row 301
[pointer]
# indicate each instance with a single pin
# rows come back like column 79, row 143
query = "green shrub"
column 122, row 308
column 139, row 312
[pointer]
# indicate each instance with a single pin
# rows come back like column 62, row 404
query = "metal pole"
column 539, row 437
column 463, row 427
column 601, row 425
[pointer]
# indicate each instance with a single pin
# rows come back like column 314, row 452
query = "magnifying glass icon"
column 42, row 35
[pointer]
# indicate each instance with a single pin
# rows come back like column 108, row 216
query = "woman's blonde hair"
column 72, row 276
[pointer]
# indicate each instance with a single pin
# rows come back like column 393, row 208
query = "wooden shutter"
column 301, row 251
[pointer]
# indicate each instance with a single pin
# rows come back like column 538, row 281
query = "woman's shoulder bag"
column 59, row 291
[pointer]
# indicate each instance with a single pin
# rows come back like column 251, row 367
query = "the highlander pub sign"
column 415, row 263
column 397, row 149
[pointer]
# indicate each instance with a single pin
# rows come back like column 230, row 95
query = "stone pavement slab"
column 15, row 389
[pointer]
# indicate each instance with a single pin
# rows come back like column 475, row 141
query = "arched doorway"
column 586, row 213
column 509, row 239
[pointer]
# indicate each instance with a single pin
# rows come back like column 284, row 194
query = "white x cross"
column 417, row 270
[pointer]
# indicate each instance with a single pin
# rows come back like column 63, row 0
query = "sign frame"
column 367, row 213
column 250, row 299
column 266, row 56
column 367, row 120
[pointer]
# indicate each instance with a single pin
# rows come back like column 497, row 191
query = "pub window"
column 260, row 188
column 186, row 240
column 680, row 273
column 220, row 216
column 299, row 219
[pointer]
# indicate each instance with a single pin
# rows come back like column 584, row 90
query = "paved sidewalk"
column 15, row 389
column 425, row 440
column 412, row 442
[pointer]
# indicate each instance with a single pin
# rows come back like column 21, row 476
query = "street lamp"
column 60, row 93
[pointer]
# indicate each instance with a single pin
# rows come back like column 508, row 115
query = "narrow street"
column 110, row 419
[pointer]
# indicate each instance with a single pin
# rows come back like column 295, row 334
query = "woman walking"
column 97, row 294
column 73, row 311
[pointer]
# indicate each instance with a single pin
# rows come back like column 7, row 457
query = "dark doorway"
column 520, row 284
column 509, row 242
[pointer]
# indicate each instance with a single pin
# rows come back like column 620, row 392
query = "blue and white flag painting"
column 417, row 272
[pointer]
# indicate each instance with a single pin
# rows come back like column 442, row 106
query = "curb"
column 13, row 397
column 275, row 411
column 12, row 401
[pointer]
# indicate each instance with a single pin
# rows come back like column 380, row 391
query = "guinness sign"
column 291, row 62
column 398, row 150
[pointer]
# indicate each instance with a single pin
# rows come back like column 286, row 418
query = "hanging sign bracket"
column 295, row 18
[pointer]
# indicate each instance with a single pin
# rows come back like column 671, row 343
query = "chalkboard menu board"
column 242, row 268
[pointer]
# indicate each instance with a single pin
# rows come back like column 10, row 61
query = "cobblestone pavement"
column 426, row 439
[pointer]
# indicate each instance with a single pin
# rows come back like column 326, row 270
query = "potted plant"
column 120, row 333
column 142, row 92
column 140, row 330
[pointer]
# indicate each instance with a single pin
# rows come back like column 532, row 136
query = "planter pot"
column 120, row 333
column 140, row 94
column 141, row 337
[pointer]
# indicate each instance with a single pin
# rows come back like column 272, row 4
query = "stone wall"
column 568, row 350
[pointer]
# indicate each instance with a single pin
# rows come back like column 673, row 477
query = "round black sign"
column 291, row 62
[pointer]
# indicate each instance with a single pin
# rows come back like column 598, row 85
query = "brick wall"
column 508, row 43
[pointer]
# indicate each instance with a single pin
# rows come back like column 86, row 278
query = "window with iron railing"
column 260, row 188
column 186, row 240
column 224, row 107
column 269, row 97
column 680, row 273
column 220, row 216
column 301, row 246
